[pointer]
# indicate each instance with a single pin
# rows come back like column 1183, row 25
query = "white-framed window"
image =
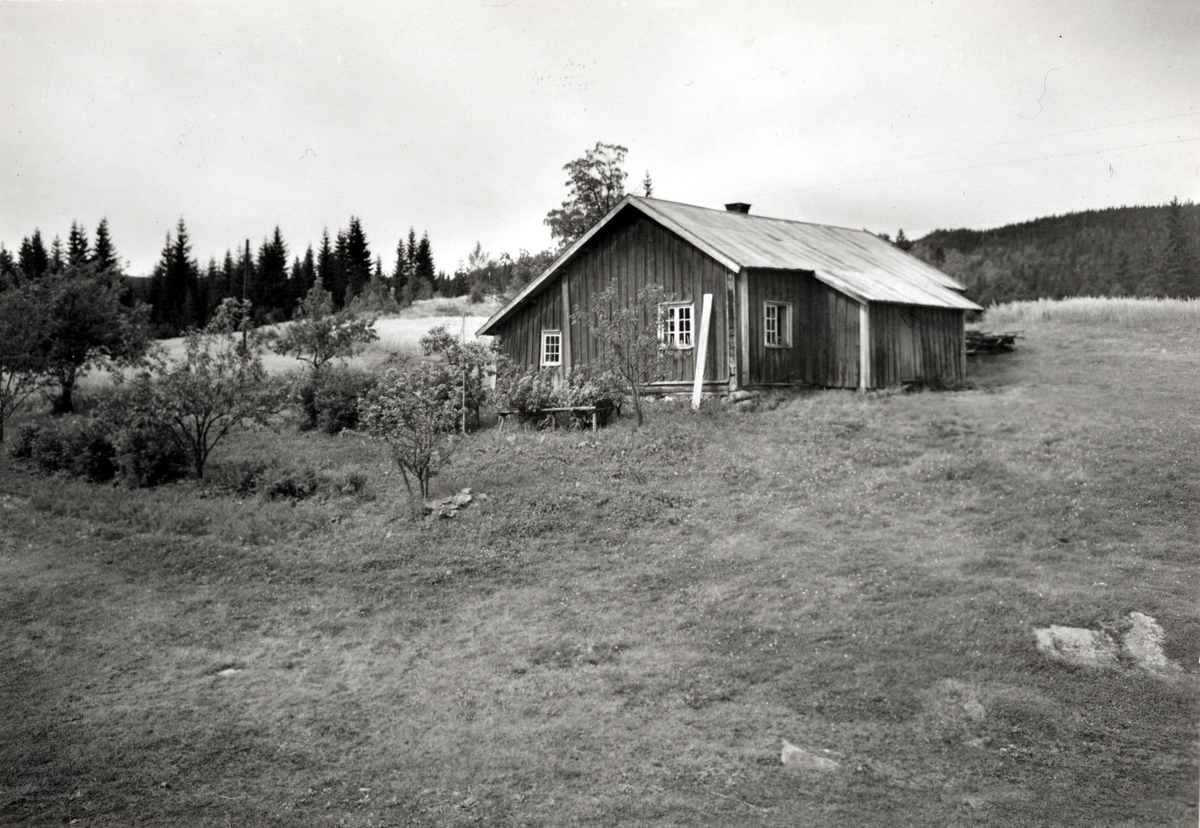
column 777, row 324
column 677, row 324
column 551, row 348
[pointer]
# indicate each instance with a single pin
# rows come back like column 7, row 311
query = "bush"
column 528, row 393
column 331, row 399
column 414, row 412
column 338, row 399
column 585, row 386
column 147, row 455
column 79, row 446
column 293, row 484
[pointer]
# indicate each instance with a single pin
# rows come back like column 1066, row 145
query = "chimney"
column 738, row 207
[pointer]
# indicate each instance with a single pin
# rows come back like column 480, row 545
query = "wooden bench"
column 594, row 410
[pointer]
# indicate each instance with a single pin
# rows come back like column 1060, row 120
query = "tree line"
column 1119, row 251
column 182, row 294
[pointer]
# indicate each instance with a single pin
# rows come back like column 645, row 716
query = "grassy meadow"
column 400, row 332
column 629, row 623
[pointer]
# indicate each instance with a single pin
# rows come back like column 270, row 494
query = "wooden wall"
column 911, row 344
column 824, row 323
column 521, row 336
column 635, row 251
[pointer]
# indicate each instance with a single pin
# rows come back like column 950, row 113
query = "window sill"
column 778, row 347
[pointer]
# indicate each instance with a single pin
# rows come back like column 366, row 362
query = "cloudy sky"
column 457, row 118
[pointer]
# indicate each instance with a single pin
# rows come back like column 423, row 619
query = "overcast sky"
column 458, row 118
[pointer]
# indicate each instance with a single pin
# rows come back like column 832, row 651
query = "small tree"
column 318, row 335
column 220, row 384
column 470, row 361
column 413, row 411
column 629, row 337
column 23, row 342
column 87, row 327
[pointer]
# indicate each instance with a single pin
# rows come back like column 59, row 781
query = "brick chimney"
column 738, row 207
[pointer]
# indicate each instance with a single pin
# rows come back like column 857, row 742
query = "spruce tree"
column 77, row 245
column 9, row 272
column 58, row 256
column 174, row 297
column 104, row 255
column 402, row 273
column 34, row 260
column 325, row 256
column 1179, row 265
column 357, row 261
column 423, row 269
column 336, row 284
column 308, row 274
column 270, row 295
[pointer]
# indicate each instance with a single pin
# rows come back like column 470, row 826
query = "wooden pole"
column 702, row 350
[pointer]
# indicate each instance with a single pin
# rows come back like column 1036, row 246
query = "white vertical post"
column 864, row 347
column 702, row 350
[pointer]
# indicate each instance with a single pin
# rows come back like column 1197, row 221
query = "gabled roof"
column 855, row 262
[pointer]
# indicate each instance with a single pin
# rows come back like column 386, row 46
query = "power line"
column 940, row 153
column 1012, row 161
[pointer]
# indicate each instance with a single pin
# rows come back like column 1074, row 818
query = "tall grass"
column 1127, row 312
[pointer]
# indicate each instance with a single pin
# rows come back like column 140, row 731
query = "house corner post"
column 865, row 380
column 567, row 361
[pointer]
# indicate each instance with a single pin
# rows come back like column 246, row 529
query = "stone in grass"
column 1075, row 645
column 1144, row 642
column 803, row 759
column 448, row 507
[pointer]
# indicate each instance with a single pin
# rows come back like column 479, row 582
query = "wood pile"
column 985, row 342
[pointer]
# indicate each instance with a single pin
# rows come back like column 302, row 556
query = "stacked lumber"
column 985, row 342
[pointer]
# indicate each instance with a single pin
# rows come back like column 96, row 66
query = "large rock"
column 799, row 758
column 1075, row 645
column 1144, row 642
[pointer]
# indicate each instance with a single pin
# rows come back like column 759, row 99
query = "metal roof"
column 855, row 262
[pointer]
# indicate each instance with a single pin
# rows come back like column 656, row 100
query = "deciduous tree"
column 318, row 335
column 595, row 183
column 219, row 384
column 86, row 327
column 413, row 411
column 24, row 338
column 629, row 338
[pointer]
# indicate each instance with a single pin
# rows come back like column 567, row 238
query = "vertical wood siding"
column 634, row 251
column 824, row 332
column 916, row 344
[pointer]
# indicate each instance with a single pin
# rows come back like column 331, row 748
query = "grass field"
column 400, row 333
column 628, row 625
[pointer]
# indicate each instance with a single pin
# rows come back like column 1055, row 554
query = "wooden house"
column 792, row 303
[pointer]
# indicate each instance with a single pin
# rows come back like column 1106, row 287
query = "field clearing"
column 1158, row 315
column 397, row 334
column 628, row 625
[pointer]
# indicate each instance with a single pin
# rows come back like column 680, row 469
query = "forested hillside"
column 1121, row 251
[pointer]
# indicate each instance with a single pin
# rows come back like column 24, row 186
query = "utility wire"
column 940, row 153
column 1014, row 161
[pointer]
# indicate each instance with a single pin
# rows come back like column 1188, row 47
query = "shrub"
column 413, row 412
column 22, row 446
column 530, row 392
column 600, row 388
column 470, row 363
column 338, row 396
column 526, row 393
column 292, row 483
column 78, row 446
column 147, row 455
